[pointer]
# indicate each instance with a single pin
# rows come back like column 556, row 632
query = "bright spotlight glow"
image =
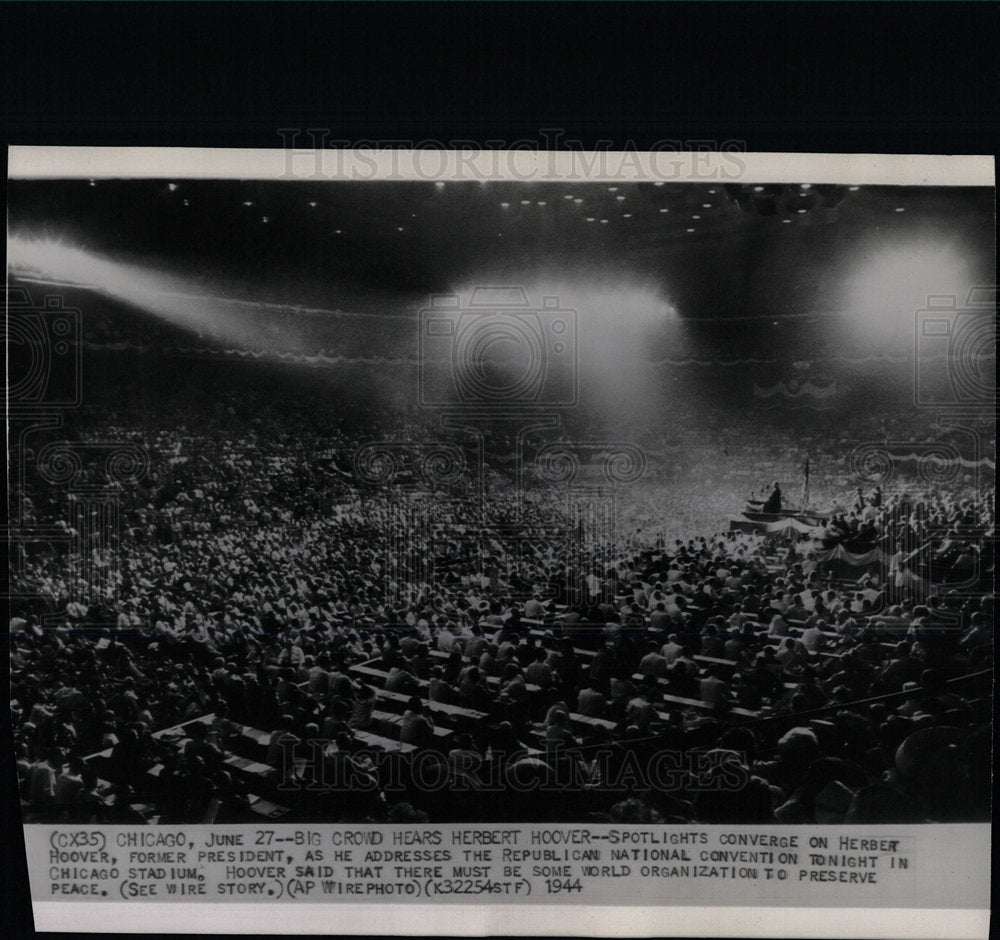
column 45, row 258
column 614, row 321
column 165, row 296
column 888, row 286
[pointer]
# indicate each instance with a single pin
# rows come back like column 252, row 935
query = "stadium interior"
column 455, row 501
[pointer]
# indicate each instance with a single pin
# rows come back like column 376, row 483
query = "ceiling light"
column 758, row 189
column 854, row 189
column 504, row 205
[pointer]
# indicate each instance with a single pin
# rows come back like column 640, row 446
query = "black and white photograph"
column 600, row 501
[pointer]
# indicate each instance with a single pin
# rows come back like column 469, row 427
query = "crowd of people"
column 452, row 650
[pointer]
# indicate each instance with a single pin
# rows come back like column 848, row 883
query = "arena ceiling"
column 719, row 249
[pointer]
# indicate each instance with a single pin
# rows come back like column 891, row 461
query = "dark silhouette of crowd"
column 267, row 637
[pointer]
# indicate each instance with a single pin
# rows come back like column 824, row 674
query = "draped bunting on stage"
column 795, row 390
column 937, row 461
column 858, row 560
column 791, row 526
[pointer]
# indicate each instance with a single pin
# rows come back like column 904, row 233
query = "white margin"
column 441, row 163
